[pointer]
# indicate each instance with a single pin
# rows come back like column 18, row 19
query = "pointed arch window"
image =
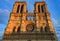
column 18, row 9
column 43, row 8
column 14, row 29
column 22, row 7
column 18, row 30
column 41, row 29
column 45, row 29
column 39, row 8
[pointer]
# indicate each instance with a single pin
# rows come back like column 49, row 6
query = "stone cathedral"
column 24, row 26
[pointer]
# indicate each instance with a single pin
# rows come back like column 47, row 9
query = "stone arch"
column 43, row 8
column 14, row 28
column 47, row 29
column 18, row 30
column 22, row 8
column 18, row 9
column 39, row 8
column 41, row 29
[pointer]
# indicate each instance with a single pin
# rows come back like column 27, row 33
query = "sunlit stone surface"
column 24, row 26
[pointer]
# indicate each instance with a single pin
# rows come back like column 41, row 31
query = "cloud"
column 2, row 28
column 55, row 22
column 58, row 23
column 8, row 0
column 5, row 11
column 4, row 15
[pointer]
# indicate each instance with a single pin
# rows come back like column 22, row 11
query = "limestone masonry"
column 24, row 26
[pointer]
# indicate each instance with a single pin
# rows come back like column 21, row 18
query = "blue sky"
column 6, row 7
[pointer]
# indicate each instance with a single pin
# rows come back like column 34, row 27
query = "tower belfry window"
column 18, row 9
column 22, row 7
column 38, row 8
column 43, row 8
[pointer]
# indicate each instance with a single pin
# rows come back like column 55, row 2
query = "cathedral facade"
column 24, row 26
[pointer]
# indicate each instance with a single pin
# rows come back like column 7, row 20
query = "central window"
column 30, row 27
column 30, row 17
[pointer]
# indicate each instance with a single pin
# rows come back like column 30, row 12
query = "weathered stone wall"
column 39, row 29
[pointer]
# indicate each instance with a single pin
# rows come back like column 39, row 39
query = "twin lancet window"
column 42, row 8
column 39, row 8
column 20, row 9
